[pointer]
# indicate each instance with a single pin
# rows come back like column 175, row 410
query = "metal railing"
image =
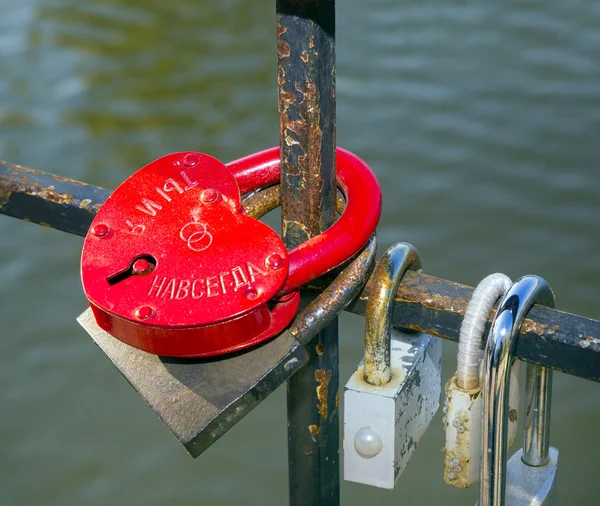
column 563, row 341
column 306, row 79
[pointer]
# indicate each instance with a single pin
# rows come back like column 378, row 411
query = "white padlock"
column 463, row 404
column 395, row 392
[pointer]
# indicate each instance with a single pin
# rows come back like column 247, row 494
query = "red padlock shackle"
column 345, row 237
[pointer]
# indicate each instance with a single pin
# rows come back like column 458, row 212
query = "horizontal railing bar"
column 49, row 200
column 562, row 341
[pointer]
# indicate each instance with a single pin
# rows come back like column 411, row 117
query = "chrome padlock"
column 529, row 478
column 394, row 394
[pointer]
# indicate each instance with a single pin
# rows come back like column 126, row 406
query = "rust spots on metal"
column 15, row 179
column 422, row 289
column 323, row 377
column 539, row 329
column 61, row 179
column 418, row 328
column 314, row 429
column 476, row 393
column 307, row 152
column 283, row 48
column 264, row 201
column 512, row 415
column 4, row 195
column 32, row 188
column 259, row 204
column 335, row 298
column 295, row 232
column 437, row 301
column 590, row 341
column 21, row 168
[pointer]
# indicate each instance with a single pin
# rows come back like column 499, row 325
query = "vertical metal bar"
column 538, row 390
column 306, row 78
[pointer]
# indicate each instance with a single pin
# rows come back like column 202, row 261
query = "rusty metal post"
column 306, row 78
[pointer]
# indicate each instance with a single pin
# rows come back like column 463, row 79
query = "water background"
column 481, row 120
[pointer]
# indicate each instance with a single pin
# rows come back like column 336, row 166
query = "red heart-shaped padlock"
column 173, row 265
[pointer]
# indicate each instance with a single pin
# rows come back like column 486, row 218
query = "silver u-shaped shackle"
column 378, row 317
column 512, row 310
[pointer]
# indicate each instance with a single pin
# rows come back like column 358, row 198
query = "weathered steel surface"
column 306, row 78
column 48, row 200
column 335, row 298
column 566, row 342
column 200, row 399
column 261, row 202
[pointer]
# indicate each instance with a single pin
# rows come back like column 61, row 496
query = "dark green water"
column 481, row 120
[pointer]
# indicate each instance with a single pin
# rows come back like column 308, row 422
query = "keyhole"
column 139, row 266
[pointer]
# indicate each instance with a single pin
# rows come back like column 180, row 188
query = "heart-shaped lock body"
column 173, row 265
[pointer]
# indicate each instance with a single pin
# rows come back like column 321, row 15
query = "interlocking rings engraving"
column 196, row 236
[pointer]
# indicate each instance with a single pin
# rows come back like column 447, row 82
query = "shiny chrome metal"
column 537, row 415
column 378, row 318
column 513, row 308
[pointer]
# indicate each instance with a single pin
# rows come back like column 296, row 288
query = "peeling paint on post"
column 306, row 79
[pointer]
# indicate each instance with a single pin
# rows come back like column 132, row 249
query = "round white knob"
column 367, row 443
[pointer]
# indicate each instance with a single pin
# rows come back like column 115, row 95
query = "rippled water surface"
column 481, row 120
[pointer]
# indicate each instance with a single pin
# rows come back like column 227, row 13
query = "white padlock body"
column 399, row 412
column 462, row 423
